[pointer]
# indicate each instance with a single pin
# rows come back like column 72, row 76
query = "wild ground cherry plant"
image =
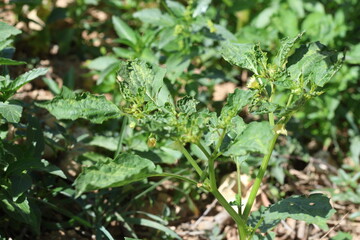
column 278, row 88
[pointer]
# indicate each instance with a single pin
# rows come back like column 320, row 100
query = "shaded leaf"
column 7, row 61
column 22, row 211
column 11, row 112
column 26, row 77
column 126, row 168
column 315, row 209
column 19, row 184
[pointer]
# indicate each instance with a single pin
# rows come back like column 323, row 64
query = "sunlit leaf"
column 126, row 168
column 84, row 105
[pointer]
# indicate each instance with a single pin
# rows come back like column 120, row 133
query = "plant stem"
column 202, row 148
column 237, row 218
column 259, row 177
column 171, row 175
column 121, row 136
column 238, row 176
column 271, row 114
column 190, row 159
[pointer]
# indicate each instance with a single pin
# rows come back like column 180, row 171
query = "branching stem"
column 190, row 159
column 259, row 177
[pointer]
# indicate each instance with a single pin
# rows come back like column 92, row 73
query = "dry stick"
column 212, row 205
column 333, row 228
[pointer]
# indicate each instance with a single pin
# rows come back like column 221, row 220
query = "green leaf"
column 154, row 16
column 51, row 169
column 315, row 63
column 138, row 80
column 84, row 105
column 177, row 8
column 7, row 30
column 201, row 7
column 125, row 169
column 234, row 104
column 123, row 30
column 124, row 53
column 109, row 143
column 7, row 61
column 285, row 48
column 101, row 63
column 152, row 224
column 11, row 112
column 244, row 55
column 22, row 211
column 353, row 57
column 313, row 209
column 187, row 105
column 255, row 138
column 19, row 184
column 26, row 77
column 342, row 236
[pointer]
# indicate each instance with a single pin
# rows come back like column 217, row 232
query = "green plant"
column 20, row 152
column 149, row 106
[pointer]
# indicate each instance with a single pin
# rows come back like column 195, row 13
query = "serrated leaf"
column 11, row 112
column 285, row 48
column 315, row 209
column 234, row 104
column 84, row 105
column 187, row 105
column 137, row 78
column 255, row 138
column 123, row 30
column 26, row 77
column 126, row 168
column 315, row 63
column 7, row 61
column 245, row 55
column 6, row 31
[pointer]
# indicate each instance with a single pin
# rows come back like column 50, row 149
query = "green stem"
column 259, row 177
column 121, row 136
column 289, row 100
column 202, row 148
column 238, row 176
column 171, row 175
column 190, row 159
column 237, row 218
column 218, row 145
column 271, row 115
